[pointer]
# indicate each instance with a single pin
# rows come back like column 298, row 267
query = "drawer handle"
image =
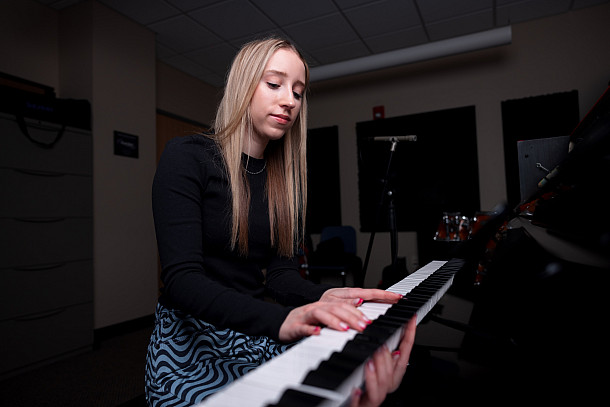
column 39, row 220
column 39, row 173
column 41, row 315
column 49, row 145
column 40, row 267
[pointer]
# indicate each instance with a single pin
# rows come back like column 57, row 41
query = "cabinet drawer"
column 44, row 241
column 71, row 154
column 33, row 289
column 44, row 194
column 31, row 340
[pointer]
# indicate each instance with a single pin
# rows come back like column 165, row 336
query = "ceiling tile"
column 284, row 12
column 396, row 40
column 321, row 32
column 455, row 27
column 201, row 36
column 437, row 10
column 182, row 34
column 509, row 12
column 232, row 19
column 188, row 5
column 383, row 17
column 341, row 52
column 143, row 11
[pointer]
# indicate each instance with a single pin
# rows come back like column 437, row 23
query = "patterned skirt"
column 189, row 359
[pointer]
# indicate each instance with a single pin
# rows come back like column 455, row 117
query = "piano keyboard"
column 323, row 370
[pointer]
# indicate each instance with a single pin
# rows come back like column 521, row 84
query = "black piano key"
column 326, row 376
column 378, row 334
column 404, row 312
column 389, row 322
column 399, row 322
column 360, row 349
column 331, row 373
column 356, row 351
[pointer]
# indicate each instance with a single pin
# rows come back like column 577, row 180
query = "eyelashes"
column 297, row 95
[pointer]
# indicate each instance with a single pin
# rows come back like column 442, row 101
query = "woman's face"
column 277, row 99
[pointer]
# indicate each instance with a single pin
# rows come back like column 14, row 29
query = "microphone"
column 395, row 138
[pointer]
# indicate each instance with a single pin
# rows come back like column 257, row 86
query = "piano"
column 536, row 330
column 323, row 370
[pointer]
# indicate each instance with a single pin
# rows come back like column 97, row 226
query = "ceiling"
column 200, row 37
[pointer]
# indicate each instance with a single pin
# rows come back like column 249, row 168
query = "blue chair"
column 336, row 253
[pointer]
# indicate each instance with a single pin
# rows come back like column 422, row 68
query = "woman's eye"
column 297, row 95
column 273, row 85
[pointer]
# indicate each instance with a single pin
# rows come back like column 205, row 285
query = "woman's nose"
column 288, row 99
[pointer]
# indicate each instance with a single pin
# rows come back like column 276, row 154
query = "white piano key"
column 266, row 384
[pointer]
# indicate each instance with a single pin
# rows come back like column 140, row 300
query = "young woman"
column 229, row 210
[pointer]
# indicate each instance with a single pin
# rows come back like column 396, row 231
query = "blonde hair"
column 286, row 158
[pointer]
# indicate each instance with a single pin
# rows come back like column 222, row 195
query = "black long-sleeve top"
column 201, row 274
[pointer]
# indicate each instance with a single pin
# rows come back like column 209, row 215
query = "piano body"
column 540, row 307
column 536, row 328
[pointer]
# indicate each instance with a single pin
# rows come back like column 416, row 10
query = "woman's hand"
column 356, row 296
column 307, row 319
column 335, row 309
column 384, row 371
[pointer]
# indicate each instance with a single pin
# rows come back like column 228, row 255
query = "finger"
column 374, row 294
column 406, row 344
column 340, row 317
column 356, row 397
column 374, row 389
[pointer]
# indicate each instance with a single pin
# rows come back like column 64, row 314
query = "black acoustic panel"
column 324, row 192
column 536, row 117
column 438, row 172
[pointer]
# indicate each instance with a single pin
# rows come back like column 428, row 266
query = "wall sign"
column 125, row 144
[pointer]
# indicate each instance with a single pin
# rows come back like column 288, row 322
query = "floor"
column 111, row 375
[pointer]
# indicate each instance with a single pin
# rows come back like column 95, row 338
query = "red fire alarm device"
column 378, row 112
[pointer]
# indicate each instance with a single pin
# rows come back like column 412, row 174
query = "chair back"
column 346, row 233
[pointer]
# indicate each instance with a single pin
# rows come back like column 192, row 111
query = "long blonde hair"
column 286, row 158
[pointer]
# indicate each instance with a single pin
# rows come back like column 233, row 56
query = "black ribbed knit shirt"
column 201, row 275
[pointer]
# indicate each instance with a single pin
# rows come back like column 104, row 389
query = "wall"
column 185, row 96
column 90, row 52
column 28, row 41
column 550, row 55
column 110, row 60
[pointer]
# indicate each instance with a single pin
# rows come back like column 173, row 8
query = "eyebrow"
column 284, row 74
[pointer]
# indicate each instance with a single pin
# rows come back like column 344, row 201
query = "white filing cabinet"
column 46, row 240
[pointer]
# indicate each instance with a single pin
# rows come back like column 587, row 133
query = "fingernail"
column 316, row 330
column 358, row 301
column 370, row 365
column 396, row 354
column 344, row 326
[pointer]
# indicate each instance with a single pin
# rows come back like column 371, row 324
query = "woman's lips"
column 281, row 118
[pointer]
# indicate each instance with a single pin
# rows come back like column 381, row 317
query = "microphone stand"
column 384, row 192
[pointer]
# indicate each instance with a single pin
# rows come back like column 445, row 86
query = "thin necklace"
column 257, row 172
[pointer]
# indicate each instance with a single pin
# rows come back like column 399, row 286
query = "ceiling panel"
column 200, row 37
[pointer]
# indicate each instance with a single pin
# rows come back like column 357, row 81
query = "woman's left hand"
column 384, row 371
column 356, row 296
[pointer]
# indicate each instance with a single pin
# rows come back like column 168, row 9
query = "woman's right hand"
column 307, row 319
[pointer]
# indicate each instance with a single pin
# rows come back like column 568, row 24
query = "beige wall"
column 28, row 41
column 557, row 54
column 185, row 96
column 90, row 52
